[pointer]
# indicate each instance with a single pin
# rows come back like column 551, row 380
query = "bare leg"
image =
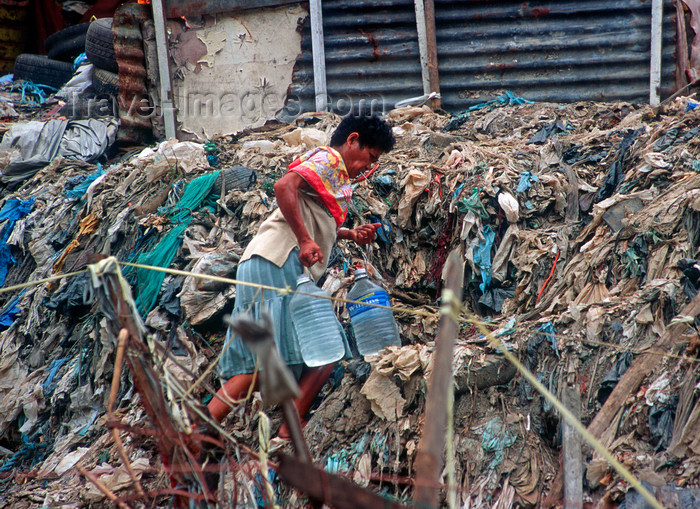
column 310, row 384
column 235, row 388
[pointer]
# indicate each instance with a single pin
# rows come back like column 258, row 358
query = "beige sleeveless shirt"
column 275, row 239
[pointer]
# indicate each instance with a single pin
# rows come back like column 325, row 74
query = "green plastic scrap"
column 495, row 438
column 633, row 262
column 473, row 203
column 506, row 99
column 196, row 193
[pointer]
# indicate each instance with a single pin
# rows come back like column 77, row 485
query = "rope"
column 414, row 312
column 450, row 307
column 566, row 414
column 446, row 308
column 39, row 281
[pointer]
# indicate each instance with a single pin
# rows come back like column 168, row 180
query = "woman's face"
column 359, row 159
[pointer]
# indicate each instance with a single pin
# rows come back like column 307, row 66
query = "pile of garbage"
column 579, row 226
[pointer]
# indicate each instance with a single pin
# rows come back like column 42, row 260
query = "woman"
column 313, row 200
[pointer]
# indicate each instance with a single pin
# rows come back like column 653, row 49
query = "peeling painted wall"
column 233, row 71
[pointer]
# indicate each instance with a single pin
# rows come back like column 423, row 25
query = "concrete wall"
column 232, row 71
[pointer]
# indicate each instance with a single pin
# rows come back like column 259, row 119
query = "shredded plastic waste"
column 495, row 437
column 506, row 99
column 482, row 257
column 149, row 282
column 13, row 210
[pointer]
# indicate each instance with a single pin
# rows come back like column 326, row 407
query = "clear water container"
column 315, row 323
column 374, row 328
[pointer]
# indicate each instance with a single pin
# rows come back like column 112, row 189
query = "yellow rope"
column 449, row 307
column 281, row 291
column 587, row 435
column 39, row 281
column 446, row 308
column 416, row 312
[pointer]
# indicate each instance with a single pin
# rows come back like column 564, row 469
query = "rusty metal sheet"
column 13, row 33
column 135, row 110
column 177, row 8
column 372, row 57
column 561, row 51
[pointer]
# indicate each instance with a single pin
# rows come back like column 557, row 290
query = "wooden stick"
column 291, row 417
column 431, row 39
column 429, row 457
column 422, row 44
column 641, row 367
column 571, row 450
column 657, row 9
column 118, row 363
column 100, row 486
column 318, row 51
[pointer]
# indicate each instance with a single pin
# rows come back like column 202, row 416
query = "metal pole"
column 166, row 86
column 657, row 10
column 319, row 54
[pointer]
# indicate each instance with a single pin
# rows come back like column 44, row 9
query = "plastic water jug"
column 374, row 328
column 315, row 323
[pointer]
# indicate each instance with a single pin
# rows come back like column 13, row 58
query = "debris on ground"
column 579, row 226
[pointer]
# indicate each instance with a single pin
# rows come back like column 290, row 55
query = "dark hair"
column 374, row 132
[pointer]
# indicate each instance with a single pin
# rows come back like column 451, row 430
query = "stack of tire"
column 94, row 39
column 99, row 49
column 55, row 69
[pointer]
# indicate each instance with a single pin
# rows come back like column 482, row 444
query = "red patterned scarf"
column 324, row 170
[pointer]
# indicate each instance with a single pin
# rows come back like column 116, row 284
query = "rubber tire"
column 105, row 82
column 68, row 49
column 66, row 34
column 99, row 45
column 42, row 70
column 237, row 177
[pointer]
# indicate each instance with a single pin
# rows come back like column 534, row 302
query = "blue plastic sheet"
column 80, row 60
column 550, row 333
column 33, row 93
column 482, row 257
column 346, row 460
column 7, row 317
column 48, row 385
column 79, row 190
column 526, row 181
column 13, row 210
column 383, row 231
column 31, row 450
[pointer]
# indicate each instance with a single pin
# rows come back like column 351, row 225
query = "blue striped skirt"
column 237, row 358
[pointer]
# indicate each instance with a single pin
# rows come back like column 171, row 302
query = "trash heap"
column 579, row 226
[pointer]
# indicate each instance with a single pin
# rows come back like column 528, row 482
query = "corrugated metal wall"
column 561, row 51
column 371, row 55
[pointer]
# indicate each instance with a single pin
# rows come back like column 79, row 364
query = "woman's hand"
column 310, row 253
column 364, row 234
